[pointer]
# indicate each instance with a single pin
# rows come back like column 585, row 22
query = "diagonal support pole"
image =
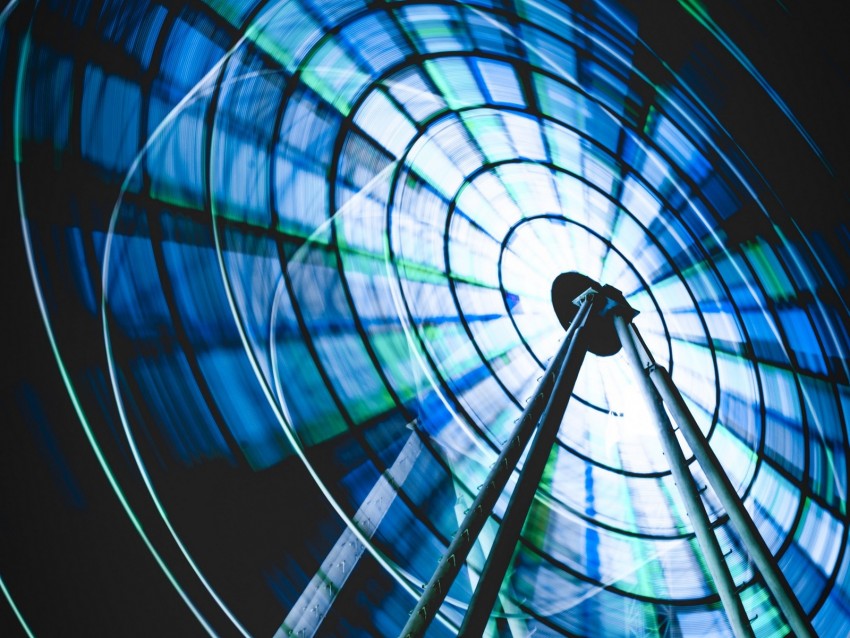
column 499, row 557
column 716, row 562
column 456, row 554
column 309, row 611
column 756, row 547
column 611, row 327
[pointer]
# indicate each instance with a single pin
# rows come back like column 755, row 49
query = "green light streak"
column 15, row 609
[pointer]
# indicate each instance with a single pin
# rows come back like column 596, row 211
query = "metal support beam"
column 309, row 611
column 455, row 556
column 731, row 501
column 717, row 566
column 611, row 327
column 499, row 557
